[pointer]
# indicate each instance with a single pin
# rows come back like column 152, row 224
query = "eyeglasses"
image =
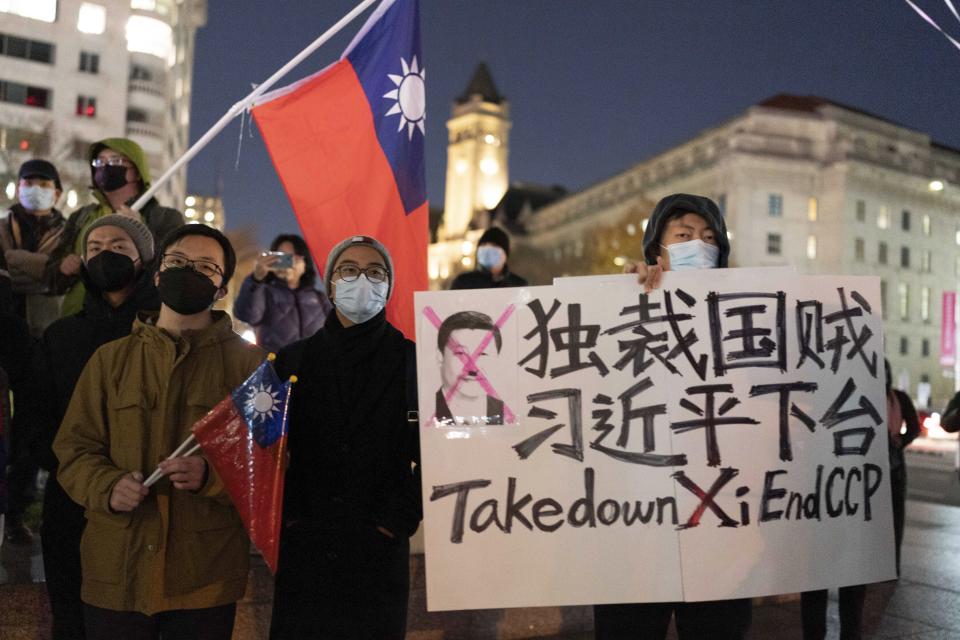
column 114, row 161
column 350, row 272
column 174, row 261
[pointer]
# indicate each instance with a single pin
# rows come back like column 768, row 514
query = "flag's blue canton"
column 396, row 35
column 262, row 402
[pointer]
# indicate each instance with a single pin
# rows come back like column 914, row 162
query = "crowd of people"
column 111, row 350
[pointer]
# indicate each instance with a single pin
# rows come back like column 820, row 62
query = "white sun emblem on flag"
column 262, row 402
column 410, row 96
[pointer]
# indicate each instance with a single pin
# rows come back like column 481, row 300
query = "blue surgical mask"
column 490, row 257
column 360, row 299
column 35, row 198
column 693, row 254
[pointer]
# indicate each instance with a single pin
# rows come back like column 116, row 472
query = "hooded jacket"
column 684, row 203
column 135, row 402
column 280, row 315
column 160, row 220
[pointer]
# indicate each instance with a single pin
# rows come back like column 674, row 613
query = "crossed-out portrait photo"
column 475, row 368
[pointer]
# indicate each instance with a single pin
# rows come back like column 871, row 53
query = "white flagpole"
column 238, row 108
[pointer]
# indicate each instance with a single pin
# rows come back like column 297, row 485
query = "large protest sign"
column 721, row 437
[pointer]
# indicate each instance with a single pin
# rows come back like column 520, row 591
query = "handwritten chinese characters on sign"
column 721, row 437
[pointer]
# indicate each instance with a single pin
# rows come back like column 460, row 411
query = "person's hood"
column 128, row 148
column 704, row 207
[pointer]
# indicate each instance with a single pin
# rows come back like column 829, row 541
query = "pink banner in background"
column 948, row 330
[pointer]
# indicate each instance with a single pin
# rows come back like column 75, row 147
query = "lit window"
column 775, row 205
column 812, row 210
column 145, row 5
column 190, row 201
column 149, row 35
column 925, row 224
column 811, row 247
column 86, row 106
column 45, row 10
column 92, row 18
column 489, row 166
column 883, row 218
column 209, row 216
column 925, row 304
column 904, row 294
column 190, row 212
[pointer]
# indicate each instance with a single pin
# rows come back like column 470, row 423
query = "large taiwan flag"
column 244, row 437
column 347, row 143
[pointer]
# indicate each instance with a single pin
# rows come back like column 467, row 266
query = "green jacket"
column 160, row 220
column 134, row 404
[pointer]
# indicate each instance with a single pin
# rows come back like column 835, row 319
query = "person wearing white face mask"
column 684, row 232
column 492, row 271
column 352, row 496
column 29, row 232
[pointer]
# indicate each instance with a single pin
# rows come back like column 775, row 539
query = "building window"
column 773, row 244
column 811, row 247
column 925, row 224
column 882, row 253
column 859, row 249
column 139, row 72
column 925, row 347
column 812, row 210
column 86, row 106
column 956, row 267
column 903, row 291
column 905, row 257
column 89, row 62
column 883, row 299
column 926, row 261
column 137, row 115
column 861, row 211
column 925, row 304
column 883, row 218
column 775, row 205
column 92, row 18
column 17, row 93
column 905, row 220
column 150, row 36
column 904, row 345
column 25, row 48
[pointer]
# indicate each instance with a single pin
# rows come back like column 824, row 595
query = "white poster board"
column 721, row 437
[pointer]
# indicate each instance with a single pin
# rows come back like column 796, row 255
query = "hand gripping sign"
column 721, row 437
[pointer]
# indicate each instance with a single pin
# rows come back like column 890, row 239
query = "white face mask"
column 37, row 198
column 693, row 254
column 361, row 299
column 490, row 257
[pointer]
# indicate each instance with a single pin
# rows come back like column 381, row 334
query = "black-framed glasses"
column 203, row 267
column 350, row 272
column 114, row 161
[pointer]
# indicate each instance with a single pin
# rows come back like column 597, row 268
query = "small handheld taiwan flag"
column 244, row 437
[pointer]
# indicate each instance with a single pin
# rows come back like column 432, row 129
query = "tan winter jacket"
column 133, row 405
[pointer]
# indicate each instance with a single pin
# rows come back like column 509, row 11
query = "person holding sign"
column 684, row 232
column 352, row 496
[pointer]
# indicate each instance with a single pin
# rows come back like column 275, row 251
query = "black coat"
column 352, row 448
column 483, row 279
column 69, row 343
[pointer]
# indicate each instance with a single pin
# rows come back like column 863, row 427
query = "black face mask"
column 110, row 178
column 111, row 271
column 186, row 291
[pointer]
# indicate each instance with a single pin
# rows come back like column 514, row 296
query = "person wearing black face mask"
column 120, row 173
column 119, row 284
column 172, row 557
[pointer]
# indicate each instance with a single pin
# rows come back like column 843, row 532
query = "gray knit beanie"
column 138, row 232
column 351, row 242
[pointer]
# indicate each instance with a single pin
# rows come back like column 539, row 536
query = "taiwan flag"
column 347, row 144
column 245, row 439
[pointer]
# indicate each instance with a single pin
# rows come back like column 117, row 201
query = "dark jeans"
column 215, row 623
column 715, row 620
column 21, row 476
column 898, row 490
column 60, row 534
column 813, row 612
column 343, row 585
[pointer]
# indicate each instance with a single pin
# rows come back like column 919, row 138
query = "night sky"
column 594, row 86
